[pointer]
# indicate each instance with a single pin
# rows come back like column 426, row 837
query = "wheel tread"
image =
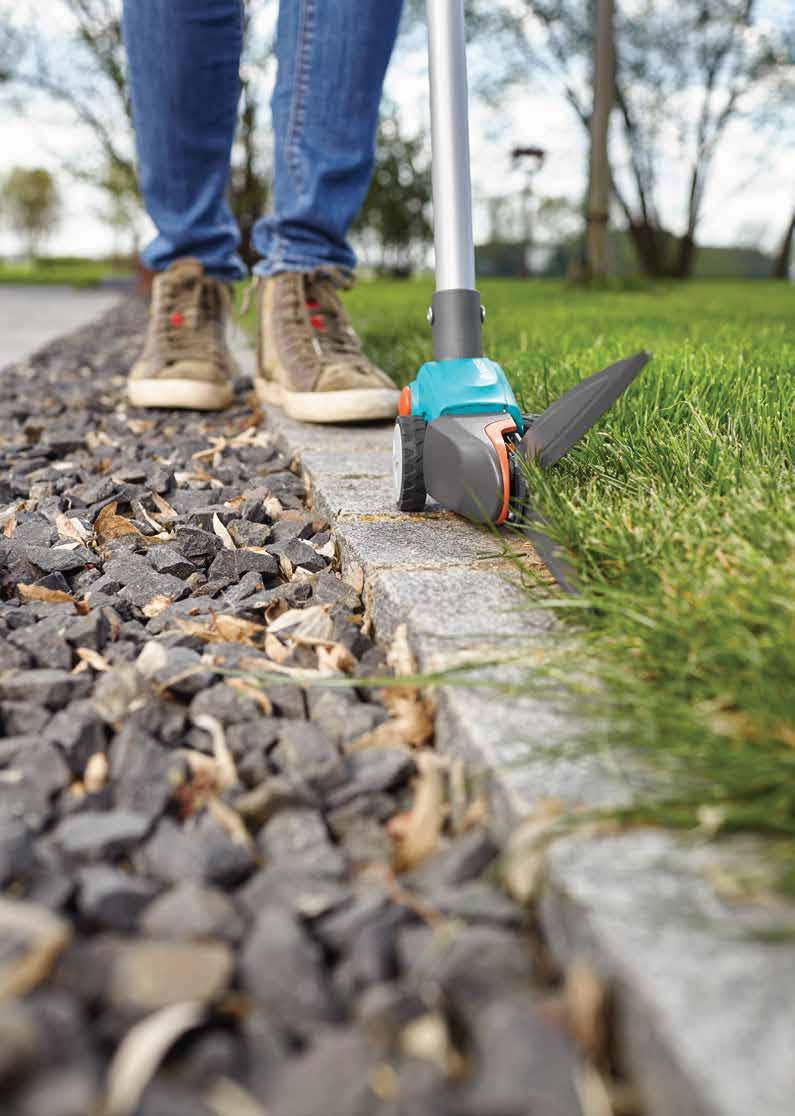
column 413, row 495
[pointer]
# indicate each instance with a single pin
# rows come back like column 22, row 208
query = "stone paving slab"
column 707, row 1003
column 365, row 463
column 526, row 746
column 704, row 1005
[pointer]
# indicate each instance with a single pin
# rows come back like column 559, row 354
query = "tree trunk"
column 596, row 234
column 650, row 250
column 685, row 257
column 784, row 254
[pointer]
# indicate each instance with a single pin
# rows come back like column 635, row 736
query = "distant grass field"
column 679, row 514
column 62, row 272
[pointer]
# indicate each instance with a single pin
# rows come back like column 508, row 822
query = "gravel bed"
column 233, row 881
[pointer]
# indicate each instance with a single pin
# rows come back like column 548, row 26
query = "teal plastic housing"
column 471, row 386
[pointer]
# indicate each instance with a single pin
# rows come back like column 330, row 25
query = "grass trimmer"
column 460, row 435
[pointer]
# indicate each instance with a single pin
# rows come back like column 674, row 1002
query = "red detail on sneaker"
column 312, row 304
column 176, row 320
column 317, row 322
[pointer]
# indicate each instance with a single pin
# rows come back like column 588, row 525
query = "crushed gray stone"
column 172, row 831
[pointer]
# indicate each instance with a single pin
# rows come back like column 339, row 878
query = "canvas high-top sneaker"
column 186, row 361
column 310, row 361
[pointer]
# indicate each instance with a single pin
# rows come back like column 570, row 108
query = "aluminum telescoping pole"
column 456, row 312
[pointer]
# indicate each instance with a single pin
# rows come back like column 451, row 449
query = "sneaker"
column 310, row 361
column 186, row 361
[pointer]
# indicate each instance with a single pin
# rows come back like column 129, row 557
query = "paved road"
column 30, row 317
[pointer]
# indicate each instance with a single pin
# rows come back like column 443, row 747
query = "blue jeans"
column 183, row 59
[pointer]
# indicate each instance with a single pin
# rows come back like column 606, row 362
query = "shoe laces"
column 334, row 337
column 189, row 317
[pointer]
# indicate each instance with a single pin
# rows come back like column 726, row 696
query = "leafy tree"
column 30, row 198
column 684, row 73
column 121, row 209
column 89, row 77
column 395, row 214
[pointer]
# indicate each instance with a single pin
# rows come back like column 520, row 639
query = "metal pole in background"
column 456, row 308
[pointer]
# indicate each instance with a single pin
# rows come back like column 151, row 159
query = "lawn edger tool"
column 460, row 435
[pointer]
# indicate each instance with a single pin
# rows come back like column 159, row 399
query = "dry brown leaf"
column 260, row 668
column 141, row 513
column 159, row 603
column 52, row 596
column 92, row 658
column 227, row 1098
column 416, row 832
column 400, row 656
column 36, row 938
column 586, row 1000
column 286, row 567
column 410, row 726
column 273, row 507
column 477, row 813
column 226, row 772
column 10, row 526
column 592, row 1092
column 222, row 533
column 428, row 1039
column 142, row 1050
column 95, row 776
column 71, row 528
column 335, row 659
column 257, row 695
column 354, row 576
column 275, row 649
column 384, row 1082
column 327, row 550
column 458, row 795
column 230, row 821
column 199, row 764
column 139, row 426
column 305, row 626
column 523, row 862
column 108, row 525
column 232, row 629
column 217, row 446
column 165, row 509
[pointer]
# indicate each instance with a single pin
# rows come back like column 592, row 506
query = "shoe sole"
column 354, row 405
column 186, row 394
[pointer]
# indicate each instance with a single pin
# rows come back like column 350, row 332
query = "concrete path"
column 31, row 317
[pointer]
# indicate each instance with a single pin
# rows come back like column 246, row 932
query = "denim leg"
column 333, row 56
column 183, row 59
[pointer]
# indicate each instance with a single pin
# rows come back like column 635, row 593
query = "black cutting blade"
column 566, row 420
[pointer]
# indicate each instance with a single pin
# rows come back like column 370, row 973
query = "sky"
column 749, row 199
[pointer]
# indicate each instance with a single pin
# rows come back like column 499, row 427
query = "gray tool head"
column 466, row 468
column 566, row 420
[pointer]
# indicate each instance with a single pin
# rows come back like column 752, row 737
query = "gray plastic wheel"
column 407, row 473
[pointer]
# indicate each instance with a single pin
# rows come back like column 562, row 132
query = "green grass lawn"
column 64, row 272
column 679, row 514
